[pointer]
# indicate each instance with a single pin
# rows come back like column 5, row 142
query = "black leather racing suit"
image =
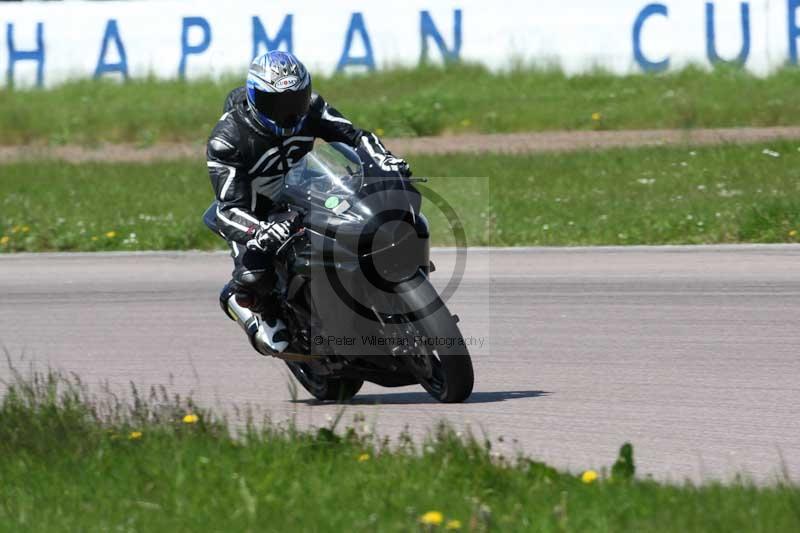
column 247, row 164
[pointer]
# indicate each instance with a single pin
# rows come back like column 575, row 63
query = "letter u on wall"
column 711, row 36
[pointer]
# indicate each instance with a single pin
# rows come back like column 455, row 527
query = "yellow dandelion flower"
column 364, row 457
column 452, row 525
column 135, row 435
column 15, row 229
column 379, row 132
column 94, row 237
column 111, row 234
column 466, row 123
column 597, row 117
column 432, row 518
column 793, row 233
column 4, row 239
column 191, row 419
column 590, row 476
column 25, row 229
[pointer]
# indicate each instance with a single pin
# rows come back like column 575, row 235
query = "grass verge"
column 721, row 194
column 72, row 463
column 424, row 101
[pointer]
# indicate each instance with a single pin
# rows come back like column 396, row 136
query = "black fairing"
column 352, row 262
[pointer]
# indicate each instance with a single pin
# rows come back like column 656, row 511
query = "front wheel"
column 436, row 352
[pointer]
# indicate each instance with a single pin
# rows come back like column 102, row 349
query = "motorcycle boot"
column 258, row 318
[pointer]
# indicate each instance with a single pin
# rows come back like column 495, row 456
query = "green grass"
column 71, row 462
column 629, row 196
column 426, row 101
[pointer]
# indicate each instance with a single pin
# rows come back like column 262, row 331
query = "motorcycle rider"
column 267, row 127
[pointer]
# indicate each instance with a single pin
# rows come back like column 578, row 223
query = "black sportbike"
column 354, row 283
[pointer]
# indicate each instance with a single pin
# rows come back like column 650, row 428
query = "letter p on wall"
column 193, row 25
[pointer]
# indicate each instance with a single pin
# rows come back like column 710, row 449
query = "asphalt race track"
column 692, row 354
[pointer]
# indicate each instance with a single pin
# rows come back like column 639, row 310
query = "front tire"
column 444, row 369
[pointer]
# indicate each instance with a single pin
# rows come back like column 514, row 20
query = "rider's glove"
column 269, row 236
column 387, row 161
column 390, row 163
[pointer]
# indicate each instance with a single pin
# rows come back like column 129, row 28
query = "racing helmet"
column 279, row 92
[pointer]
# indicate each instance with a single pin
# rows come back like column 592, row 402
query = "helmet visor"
column 286, row 109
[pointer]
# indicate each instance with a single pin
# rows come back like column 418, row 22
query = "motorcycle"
column 354, row 282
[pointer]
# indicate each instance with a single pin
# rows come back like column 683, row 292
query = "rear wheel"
column 325, row 388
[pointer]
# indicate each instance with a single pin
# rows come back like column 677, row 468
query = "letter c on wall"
column 643, row 62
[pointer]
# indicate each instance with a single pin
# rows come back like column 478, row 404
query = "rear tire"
column 324, row 388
